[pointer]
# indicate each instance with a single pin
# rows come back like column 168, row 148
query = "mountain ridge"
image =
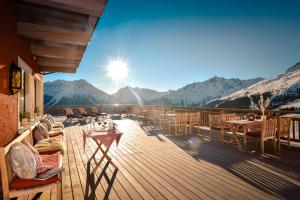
column 214, row 92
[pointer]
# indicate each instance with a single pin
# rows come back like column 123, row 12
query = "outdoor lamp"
column 15, row 78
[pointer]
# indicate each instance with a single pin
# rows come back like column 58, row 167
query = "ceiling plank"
column 91, row 24
column 89, row 7
column 55, row 34
column 70, row 53
column 58, row 69
column 51, row 16
column 53, row 62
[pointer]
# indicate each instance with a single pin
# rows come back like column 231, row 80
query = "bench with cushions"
column 12, row 185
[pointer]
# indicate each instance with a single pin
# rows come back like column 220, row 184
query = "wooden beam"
column 91, row 24
column 89, row 7
column 68, row 52
column 55, row 34
column 28, row 12
column 58, row 69
column 53, row 62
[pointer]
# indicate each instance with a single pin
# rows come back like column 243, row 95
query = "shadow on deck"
column 156, row 165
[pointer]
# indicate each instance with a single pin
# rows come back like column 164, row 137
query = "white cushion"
column 22, row 161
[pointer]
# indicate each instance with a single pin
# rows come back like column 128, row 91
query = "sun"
column 117, row 70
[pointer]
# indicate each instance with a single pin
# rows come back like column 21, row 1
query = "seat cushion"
column 56, row 132
column 50, row 160
column 50, row 144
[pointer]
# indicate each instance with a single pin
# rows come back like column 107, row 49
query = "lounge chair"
column 69, row 114
column 82, row 112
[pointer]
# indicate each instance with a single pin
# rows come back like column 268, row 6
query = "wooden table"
column 105, row 139
column 295, row 118
column 236, row 124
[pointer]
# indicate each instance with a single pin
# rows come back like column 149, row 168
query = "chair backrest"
column 82, row 110
column 94, row 110
column 7, row 173
column 181, row 118
column 269, row 128
column 204, row 118
column 284, row 126
column 68, row 111
column 215, row 120
column 194, row 118
column 229, row 117
column 158, row 113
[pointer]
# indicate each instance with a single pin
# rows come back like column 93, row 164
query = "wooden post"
column 262, row 145
column 4, row 174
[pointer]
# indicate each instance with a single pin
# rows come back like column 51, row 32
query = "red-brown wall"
column 11, row 46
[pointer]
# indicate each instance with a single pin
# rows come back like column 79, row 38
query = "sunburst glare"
column 117, row 70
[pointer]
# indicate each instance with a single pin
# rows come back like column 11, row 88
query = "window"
column 22, row 95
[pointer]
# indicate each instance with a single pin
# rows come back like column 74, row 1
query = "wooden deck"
column 153, row 165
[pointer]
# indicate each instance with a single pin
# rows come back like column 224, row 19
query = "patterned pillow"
column 43, row 128
column 48, row 123
column 51, row 118
column 40, row 167
column 40, row 132
column 22, row 161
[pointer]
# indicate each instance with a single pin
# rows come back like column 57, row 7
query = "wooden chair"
column 159, row 118
column 82, row 112
column 95, row 112
column 69, row 114
column 7, row 174
column 194, row 120
column 284, row 126
column 180, row 120
column 216, row 122
column 267, row 131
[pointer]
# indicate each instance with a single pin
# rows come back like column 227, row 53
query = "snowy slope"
column 285, row 85
column 201, row 92
column 74, row 92
column 130, row 95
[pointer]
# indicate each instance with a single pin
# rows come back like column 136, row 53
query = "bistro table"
column 102, row 137
column 236, row 124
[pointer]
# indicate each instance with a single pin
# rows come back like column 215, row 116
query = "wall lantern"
column 15, row 79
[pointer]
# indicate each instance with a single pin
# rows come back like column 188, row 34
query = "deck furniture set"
column 104, row 135
column 82, row 114
column 15, row 186
column 262, row 129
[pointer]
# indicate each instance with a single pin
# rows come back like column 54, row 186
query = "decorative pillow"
column 51, row 118
column 40, row 167
column 40, row 132
column 46, row 121
column 22, row 161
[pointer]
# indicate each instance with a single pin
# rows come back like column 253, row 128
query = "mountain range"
column 215, row 92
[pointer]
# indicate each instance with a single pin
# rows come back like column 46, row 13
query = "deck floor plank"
column 86, row 153
column 155, row 165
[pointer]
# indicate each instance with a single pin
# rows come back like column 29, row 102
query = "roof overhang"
column 59, row 30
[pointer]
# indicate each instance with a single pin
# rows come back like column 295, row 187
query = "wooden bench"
column 7, row 174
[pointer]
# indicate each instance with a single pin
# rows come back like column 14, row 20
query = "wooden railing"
column 58, row 110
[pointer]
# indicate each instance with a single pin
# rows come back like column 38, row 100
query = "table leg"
column 101, row 159
column 234, row 139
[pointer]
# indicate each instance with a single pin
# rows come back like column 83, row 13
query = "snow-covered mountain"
column 62, row 92
column 280, row 89
column 200, row 93
column 136, row 95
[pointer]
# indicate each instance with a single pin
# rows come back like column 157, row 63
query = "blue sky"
column 170, row 43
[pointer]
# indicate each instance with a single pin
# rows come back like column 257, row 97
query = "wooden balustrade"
column 149, row 111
